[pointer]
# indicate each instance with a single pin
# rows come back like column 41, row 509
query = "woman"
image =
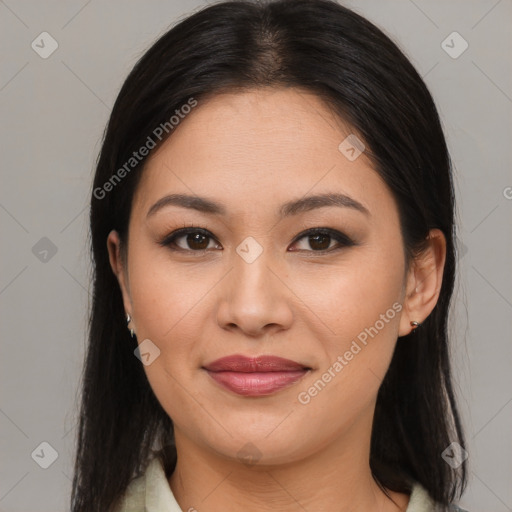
column 272, row 224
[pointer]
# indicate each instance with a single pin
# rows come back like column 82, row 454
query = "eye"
column 195, row 239
column 190, row 239
column 321, row 239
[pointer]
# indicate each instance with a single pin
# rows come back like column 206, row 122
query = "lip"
column 255, row 376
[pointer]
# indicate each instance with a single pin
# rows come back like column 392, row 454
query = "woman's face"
column 251, row 283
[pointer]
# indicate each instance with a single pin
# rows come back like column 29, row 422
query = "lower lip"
column 256, row 383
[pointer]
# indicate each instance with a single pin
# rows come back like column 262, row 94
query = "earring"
column 128, row 320
column 415, row 324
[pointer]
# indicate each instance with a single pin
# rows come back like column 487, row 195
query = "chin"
column 251, row 449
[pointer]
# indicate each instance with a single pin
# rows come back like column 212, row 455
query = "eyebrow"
column 288, row 209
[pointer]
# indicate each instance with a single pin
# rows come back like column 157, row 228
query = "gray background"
column 53, row 113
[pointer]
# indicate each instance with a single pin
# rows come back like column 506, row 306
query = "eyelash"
column 342, row 239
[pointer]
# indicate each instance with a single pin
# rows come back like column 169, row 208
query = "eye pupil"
column 319, row 241
column 197, row 238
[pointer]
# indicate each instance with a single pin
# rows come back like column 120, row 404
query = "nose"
column 255, row 299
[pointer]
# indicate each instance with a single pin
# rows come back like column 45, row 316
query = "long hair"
column 324, row 48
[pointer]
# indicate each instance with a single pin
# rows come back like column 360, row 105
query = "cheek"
column 169, row 311
column 172, row 305
column 358, row 306
column 351, row 295
column 165, row 294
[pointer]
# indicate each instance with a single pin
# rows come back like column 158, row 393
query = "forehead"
column 286, row 120
column 251, row 147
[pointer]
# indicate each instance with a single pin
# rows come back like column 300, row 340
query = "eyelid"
column 342, row 239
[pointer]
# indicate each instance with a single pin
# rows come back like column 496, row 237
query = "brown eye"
column 320, row 239
column 197, row 241
column 193, row 240
column 319, row 242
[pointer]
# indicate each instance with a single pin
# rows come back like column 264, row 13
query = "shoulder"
column 421, row 501
column 134, row 496
column 149, row 492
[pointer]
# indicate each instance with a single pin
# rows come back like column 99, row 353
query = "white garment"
column 151, row 492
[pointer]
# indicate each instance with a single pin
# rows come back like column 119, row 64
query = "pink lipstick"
column 255, row 376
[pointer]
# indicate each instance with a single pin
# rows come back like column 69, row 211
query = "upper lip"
column 266, row 363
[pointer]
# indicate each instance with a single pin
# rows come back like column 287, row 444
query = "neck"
column 336, row 478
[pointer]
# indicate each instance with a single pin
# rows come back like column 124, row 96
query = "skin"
column 252, row 152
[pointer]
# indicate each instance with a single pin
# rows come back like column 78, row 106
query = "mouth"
column 256, row 376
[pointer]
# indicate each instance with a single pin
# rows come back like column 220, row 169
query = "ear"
column 424, row 281
column 119, row 268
